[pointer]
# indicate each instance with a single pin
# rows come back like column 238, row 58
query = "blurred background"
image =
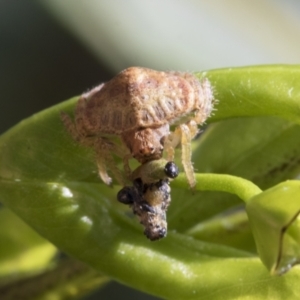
column 51, row 50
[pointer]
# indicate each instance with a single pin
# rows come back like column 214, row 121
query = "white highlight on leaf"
column 86, row 220
column 74, row 207
column 66, row 192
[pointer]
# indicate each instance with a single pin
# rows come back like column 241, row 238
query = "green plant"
column 251, row 144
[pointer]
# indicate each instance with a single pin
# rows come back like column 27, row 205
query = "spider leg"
column 79, row 116
column 127, row 169
column 183, row 134
column 193, row 127
column 186, row 154
column 77, row 129
column 82, row 120
column 171, row 142
column 123, row 153
column 106, row 161
column 102, row 170
column 70, row 126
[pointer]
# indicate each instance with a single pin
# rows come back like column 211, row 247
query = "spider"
column 139, row 106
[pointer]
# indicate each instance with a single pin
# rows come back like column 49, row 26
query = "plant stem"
column 243, row 188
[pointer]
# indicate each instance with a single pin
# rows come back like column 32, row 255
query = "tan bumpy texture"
column 144, row 98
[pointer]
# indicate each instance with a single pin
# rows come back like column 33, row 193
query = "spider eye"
column 171, row 169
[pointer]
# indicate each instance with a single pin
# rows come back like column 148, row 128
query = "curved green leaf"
column 274, row 219
column 264, row 150
column 256, row 91
column 23, row 252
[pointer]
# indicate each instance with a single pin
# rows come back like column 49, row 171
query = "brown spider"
column 139, row 105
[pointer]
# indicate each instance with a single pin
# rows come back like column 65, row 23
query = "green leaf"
column 261, row 149
column 265, row 157
column 274, row 219
column 229, row 228
column 28, row 266
column 52, row 183
column 23, row 252
column 69, row 279
column 256, row 91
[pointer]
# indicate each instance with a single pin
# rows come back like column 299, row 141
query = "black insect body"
column 150, row 201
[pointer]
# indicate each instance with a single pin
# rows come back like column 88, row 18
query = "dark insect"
column 150, row 201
